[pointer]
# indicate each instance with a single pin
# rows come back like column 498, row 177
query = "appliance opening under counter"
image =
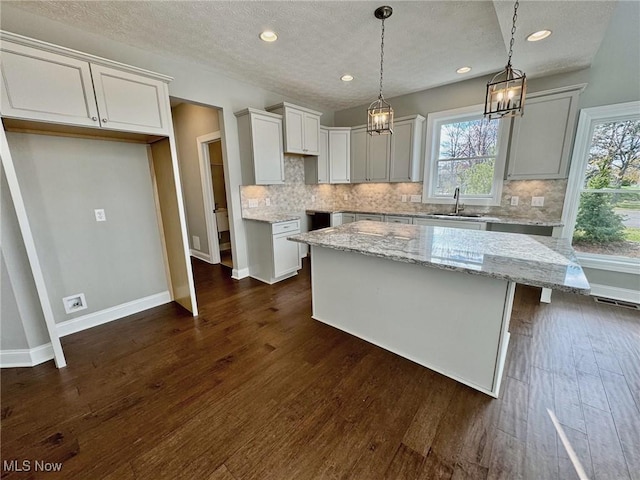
column 318, row 220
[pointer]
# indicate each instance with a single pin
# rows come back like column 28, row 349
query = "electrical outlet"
column 514, row 200
column 537, row 201
column 416, row 198
column 253, row 202
column 313, row 199
column 100, row 215
column 74, row 303
column 345, row 197
column 403, row 199
column 267, row 202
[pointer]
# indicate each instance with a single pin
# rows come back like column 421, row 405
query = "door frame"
column 203, row 142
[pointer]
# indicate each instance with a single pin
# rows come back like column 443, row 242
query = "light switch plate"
column 537, row 201
column 514, row 200
column 100, row 215
column 416, row 198
column 253, row 202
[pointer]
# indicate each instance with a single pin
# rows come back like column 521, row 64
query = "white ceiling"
column 425, row 41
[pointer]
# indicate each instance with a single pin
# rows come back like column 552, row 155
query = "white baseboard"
column 114, row 313
column 624, row 294
column 205, row 257
column 238, row 274
column 27, row 357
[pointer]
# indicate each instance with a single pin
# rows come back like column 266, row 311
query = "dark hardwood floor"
column 254, row 388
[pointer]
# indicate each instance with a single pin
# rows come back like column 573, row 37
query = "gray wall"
column 63, row 180
column 614, row 76
column 189, row 122
column 22, row 323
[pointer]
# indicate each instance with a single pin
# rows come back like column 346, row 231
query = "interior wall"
column 192, row 82
column 189, row 122
column 62, row 181
column 22, row 322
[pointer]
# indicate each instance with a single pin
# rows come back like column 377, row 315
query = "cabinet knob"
column 95, row 119
column 104, row 120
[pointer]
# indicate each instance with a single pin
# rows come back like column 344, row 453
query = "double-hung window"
column 464, row 150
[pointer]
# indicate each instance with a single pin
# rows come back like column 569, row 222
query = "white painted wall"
column 62, row 181
column 189, row 122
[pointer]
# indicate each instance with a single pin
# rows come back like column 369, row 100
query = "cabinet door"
column 400, row 168
column 323, row 158
column 130, row 103
column 541, row 138
column 268, row 159
column 379, row 154
column 339, row 156
column 286, row 256
column 311, row 144
column 359, row 155
column 294, row 128
column 45, row 86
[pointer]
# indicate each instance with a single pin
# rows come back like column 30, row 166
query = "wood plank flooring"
column 253, row 388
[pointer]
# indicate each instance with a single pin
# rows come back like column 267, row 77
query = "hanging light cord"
column 381, row 59
column 513, row 31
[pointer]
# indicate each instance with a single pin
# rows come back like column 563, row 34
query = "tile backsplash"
column 295, row 196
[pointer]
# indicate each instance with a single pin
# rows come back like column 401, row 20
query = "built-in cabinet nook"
column 89, row 155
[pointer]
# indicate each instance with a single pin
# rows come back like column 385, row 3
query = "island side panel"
column 451, row 322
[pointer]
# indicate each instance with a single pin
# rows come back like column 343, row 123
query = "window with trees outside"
column 608, row 216
column 464, row 150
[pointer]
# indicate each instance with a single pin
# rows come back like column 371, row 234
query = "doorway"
column 214, row 194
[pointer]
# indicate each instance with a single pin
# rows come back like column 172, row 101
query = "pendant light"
column 507, row 90
column 380, row 113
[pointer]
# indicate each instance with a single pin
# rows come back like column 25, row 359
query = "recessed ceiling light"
column 268, row 36
column 463, row 70
column 346, row 77
column 539, row 35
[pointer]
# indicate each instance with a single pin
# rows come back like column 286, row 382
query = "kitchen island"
column 438, row 296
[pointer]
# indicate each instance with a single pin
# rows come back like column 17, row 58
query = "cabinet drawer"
column 372, row 218
column 286, row 227
column 398, row 219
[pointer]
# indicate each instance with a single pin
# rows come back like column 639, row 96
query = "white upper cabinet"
column 323, row 157
column 40, row 85
column 130, row 102
column 339, row 155
column 406, row 158
column 541, row 139
column 370, row 156
column 301, row 128
column 261, row 153
column 52, row 84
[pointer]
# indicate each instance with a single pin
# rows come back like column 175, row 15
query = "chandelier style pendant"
column 507, row 90
column 380, row 113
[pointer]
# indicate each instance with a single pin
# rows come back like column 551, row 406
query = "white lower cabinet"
column 370, row 217
column 435, row 222
column 398, row 219
column 271, row 256
column 348, row 217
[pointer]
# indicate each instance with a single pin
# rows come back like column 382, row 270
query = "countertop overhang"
column 527, row 259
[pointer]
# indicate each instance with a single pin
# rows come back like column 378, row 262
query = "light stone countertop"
column 270, row 217
column 483, row 218
column 527, row 259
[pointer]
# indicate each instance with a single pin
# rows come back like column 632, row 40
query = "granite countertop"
column 484, row 219
column 270, row 217
column 527, row 259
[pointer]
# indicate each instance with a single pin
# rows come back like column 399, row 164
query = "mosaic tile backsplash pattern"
column 296, row 196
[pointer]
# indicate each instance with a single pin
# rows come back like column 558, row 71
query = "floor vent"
column 619, row 303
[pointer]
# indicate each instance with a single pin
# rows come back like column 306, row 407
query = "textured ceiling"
column 425, row 41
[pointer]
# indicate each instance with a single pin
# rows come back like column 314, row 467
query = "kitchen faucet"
column 459, row 207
